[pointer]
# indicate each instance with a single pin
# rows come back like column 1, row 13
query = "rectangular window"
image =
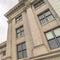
column 19, row 31
column 4, row 53
column 53, row 38
column 18, row 19
column 45, row 17
column 39, row 4
column 21, row 51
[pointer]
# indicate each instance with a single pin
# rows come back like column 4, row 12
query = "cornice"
column 27, row 3
column 13, row 9
column 3, row 44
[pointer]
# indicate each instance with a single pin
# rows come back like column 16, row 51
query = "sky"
column 5, row 5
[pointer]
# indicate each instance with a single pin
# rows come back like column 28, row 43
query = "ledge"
column 47, row 55
column 3, row 44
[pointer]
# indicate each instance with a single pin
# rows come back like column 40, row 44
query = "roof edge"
column 3, row 44
column 13, row 8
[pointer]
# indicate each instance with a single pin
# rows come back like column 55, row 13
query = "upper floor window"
column 18, row 19
column 45, row 17
column 4, row 53
column 21, row 51
column 39, row 4
column 53, row 38
column 19, row 31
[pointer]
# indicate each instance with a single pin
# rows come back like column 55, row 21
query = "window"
column 18, row 19
column 19, row 31
column 21, row 51
column 45, row 17
column 39, row 4
column 4, row 53
column 53, row 38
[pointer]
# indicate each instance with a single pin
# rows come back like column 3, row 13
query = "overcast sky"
column 5, row 5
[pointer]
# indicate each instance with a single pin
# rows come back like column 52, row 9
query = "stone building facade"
column 33, row 31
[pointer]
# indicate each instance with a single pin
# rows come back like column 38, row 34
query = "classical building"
column 33, row 31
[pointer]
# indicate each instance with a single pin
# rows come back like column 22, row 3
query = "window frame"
column 56, row 38
column 19, row 18
column 21, row 44
column 45, row 17
column 39, row 3
column 21, row 32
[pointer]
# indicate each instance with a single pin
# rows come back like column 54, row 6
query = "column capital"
column 28, row 4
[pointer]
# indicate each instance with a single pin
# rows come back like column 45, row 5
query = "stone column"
column 0, row 55
column 28, row 37
column 38, row 44
column 8, row 50
column 34, row 27
column 13, row 48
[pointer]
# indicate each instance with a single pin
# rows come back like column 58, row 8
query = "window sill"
column 55, row 50
column 24, row 59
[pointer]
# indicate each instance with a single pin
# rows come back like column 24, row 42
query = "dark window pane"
column 19, row 18
column 21, row 50
column 20, row 55
column 18, row 35
column 23, row 46
column 19, row 31
column 24, row 53
column 22, row 28
column 45, row 17
column 47, row 13
column 19, row 47
column 43, row 21
column 39, row 4
column 22, row 33
column 50, row 18
column 41, row 16
column 53, row 44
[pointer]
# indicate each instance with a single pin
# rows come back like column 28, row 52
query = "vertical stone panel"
column 28, row 37
column 8, row 52
column 34, row 27
column 14, row 51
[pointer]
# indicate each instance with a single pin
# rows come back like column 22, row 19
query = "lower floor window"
column 21, row 51
column 53, row 38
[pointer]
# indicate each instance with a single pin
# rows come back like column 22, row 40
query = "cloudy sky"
column 5, row 5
